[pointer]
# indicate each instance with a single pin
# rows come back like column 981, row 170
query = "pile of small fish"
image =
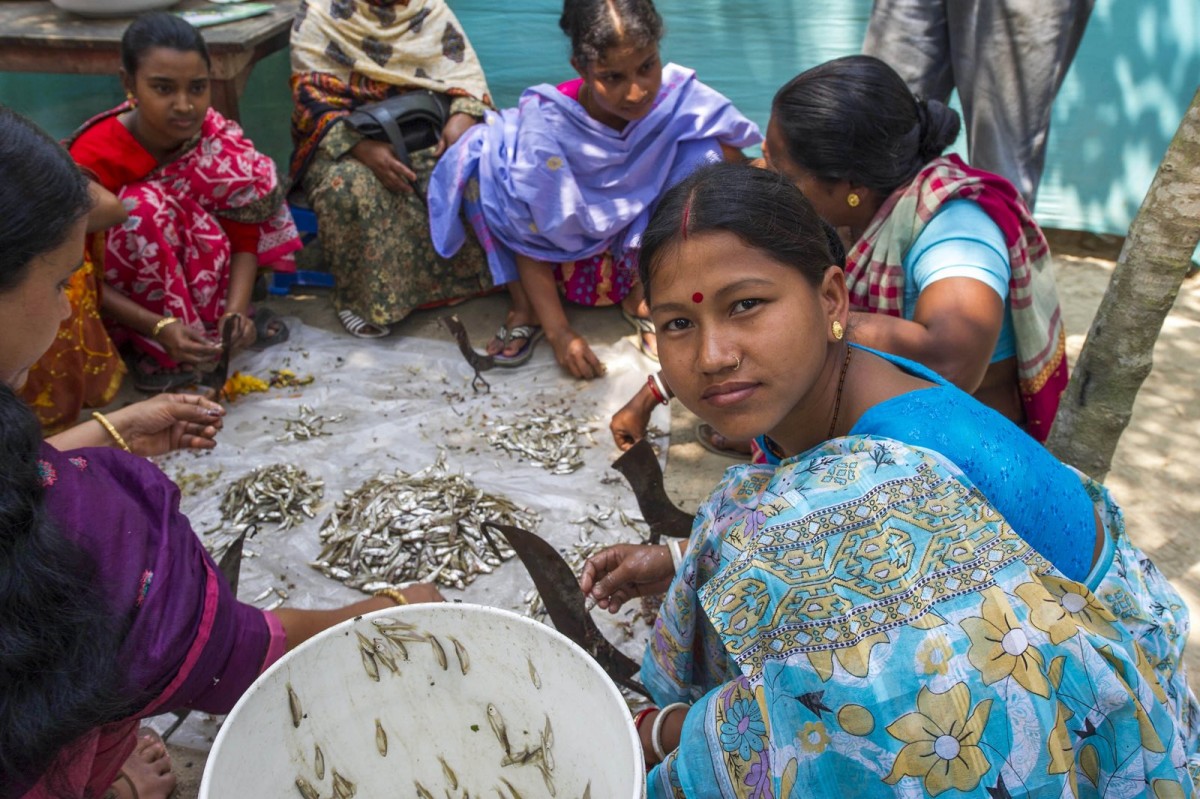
column 394, row 529
column 549, row 439
column 279, row 493
column 308, row 425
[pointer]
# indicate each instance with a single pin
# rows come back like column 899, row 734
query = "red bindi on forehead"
column 697, row 298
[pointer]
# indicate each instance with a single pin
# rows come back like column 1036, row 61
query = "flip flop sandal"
column 532, row 335
column 704, row 436
column 642, row 326
column 263, row 319
column 360, row 328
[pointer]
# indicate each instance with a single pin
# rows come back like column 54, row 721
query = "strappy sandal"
column 643, row 327
column 532, row 335
column 360, row 328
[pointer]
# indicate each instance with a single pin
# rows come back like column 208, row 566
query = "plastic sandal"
column 642, row 326
column 532, row 335
column 360, row 328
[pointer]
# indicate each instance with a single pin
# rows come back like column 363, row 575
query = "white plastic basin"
column 111, row 8
column 454, row 733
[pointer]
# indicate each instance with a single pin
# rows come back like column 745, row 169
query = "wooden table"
column 36, row 36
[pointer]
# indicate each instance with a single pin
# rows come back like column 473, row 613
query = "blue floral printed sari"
column 859, row 621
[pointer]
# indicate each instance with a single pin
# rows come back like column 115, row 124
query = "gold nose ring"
column 737, row 363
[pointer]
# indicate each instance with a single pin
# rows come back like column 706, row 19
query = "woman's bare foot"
column 146, row 774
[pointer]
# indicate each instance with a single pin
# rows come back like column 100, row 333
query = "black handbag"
column 410, row 121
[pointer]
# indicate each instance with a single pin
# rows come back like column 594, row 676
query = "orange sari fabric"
column 82, row 368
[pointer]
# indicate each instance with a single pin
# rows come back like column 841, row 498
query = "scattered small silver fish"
column 306, row 789
column 438, row 652
column 497, row 723
column 380, row 738
column 379, row 648
column 369, row 664
column 515, row 793
column 449, row 772
column 422, row 792
column 533, row 675
column 464, row 661
column 550, row 439
column 307, row 425
column 342, row 787
column 547, row 743
column 319, row 763
column 294, row 706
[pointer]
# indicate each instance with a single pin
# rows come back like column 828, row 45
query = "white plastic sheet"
column 404, row 399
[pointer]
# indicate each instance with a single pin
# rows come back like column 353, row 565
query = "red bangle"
column 641, row 716
column 658, row 397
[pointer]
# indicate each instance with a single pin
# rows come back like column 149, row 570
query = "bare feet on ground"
column 147, row 771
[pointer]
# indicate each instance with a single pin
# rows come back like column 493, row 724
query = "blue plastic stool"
column 284, row 282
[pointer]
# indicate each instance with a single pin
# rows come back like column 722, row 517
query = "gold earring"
column 838, row 331
column 852, row 200
column 132, row 100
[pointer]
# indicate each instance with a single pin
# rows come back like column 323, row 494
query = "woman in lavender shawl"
column 559, row 189
column 110, row 608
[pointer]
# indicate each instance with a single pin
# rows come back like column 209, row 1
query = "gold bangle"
column 392, row 594
column 112, row 431
column 161, row 324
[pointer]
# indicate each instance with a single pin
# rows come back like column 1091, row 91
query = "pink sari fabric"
column 173, row 254
column 875, row 272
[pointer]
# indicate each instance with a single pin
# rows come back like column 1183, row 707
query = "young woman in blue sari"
column 861, row 619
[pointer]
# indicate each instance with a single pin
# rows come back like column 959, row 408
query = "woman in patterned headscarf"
column 374, row 226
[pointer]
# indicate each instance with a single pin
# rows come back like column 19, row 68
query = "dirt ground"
column 1152, row 470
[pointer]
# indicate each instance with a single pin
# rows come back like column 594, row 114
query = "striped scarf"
column 875, row 272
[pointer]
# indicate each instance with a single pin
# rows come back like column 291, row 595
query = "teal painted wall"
column 1135, row 74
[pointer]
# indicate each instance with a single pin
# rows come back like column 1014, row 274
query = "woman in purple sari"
column 110, row 608
column 559, row 189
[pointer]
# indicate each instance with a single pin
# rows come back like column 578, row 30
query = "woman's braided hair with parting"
column 855, row 119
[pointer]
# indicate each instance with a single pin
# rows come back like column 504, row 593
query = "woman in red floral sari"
column 205, row 208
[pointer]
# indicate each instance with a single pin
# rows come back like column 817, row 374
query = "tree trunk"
column 1119, row 350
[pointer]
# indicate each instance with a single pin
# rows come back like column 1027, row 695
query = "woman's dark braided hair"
column 594, row 26
column 59, row 670
column 855, row 119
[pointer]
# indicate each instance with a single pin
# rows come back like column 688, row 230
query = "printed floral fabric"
column 348, row 53
column 859, row 621
column 377, row 243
